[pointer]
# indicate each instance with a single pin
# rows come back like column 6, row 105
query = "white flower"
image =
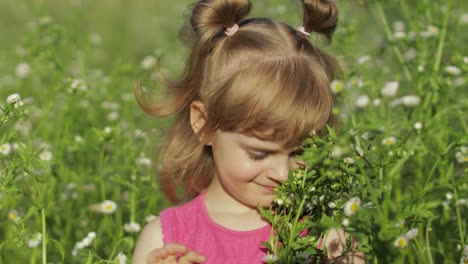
column 410, row 54
column 464, row 18
column 431, row 31
column 465, row 59
column 362, row 101
column 45, row 20
column 35, row 240
column 401, row 242
column 458, row 82
column 363, row 59
column 390, row 89
column 107, row 105
column 5, row 149
column 86, row 242
column 107, row 130
column 13, row 99
column 462, row 202
column 269, row 258
column 95, row 38
column 389, row 141
column 418, row 126
column 351, row 206
column 121, row 258
column 376, row 102
column 337, row 152
column 107, row 207
column 412, row 233
column 399, row 35
column 420, row 68
column 112, row 116
column 13, row 216
column 449, row 196
column 143, row 161
column 410, row 100
column 452, row 70
column 150, row 218
column 303, row 257
column 399, row 26
column 79, row 139
column 279, row 201
column 337, row 86
column 345, row 222
column 78, row 85
column 22, row 70
column 148, row 62
column 45, row 156
column 349, row 160
column 132, row 227
column 332, row 205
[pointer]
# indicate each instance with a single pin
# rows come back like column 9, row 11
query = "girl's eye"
column 297, row 153
column 257, row 155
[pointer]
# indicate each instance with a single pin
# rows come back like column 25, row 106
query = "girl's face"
column 248, row 169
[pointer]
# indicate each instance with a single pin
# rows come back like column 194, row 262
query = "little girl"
column 252, row 91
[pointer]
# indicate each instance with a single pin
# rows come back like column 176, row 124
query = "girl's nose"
column 280, row 169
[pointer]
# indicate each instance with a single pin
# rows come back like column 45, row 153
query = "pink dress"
column 189, row 224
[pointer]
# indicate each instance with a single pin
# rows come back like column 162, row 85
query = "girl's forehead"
column 259, row 142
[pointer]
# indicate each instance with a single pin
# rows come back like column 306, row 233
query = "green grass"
column 104, row 42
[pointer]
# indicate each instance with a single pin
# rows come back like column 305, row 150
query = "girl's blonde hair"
column 267, row 80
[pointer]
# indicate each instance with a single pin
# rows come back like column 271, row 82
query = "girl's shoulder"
column 150, row 238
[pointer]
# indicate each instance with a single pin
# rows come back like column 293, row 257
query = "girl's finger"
column 192, row 257
column 175, row 248
column 156, row 256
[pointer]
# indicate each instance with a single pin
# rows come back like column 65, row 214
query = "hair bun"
column 320, row 16
column 209, row 16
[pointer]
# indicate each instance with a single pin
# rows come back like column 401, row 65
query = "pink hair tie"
column 232, row 30
column 303, row 31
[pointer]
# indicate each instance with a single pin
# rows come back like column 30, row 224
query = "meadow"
column 78, row 170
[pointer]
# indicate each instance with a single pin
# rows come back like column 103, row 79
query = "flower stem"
column 44, row 237
column 440, row 47
column 388, row 32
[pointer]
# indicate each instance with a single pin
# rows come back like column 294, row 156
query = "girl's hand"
column 174, row 253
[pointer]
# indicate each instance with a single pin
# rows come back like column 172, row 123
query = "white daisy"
column 270, row 258
column 418, row 126
column 148, row 62
column 410, row 100
column 389, row 141
column 121, row 258
column 390, row 89
column 35, row 240
column 337, row 86
column 13, row 216
column 46, row 156
column 5, row 149
column 401, row 242
column 412, row 233
column 362, row 101
column 107, row 207
column 351, row 206
column 452, row 70
column 132, row 227
column 345, row 222
column 13, row 99
column 78, row 85
column 22, row 70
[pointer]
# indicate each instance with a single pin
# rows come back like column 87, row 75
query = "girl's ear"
column 198, row 118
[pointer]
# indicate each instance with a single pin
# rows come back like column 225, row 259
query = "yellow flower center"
column 354, row 207
column 108, row 207
column 402, row 243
